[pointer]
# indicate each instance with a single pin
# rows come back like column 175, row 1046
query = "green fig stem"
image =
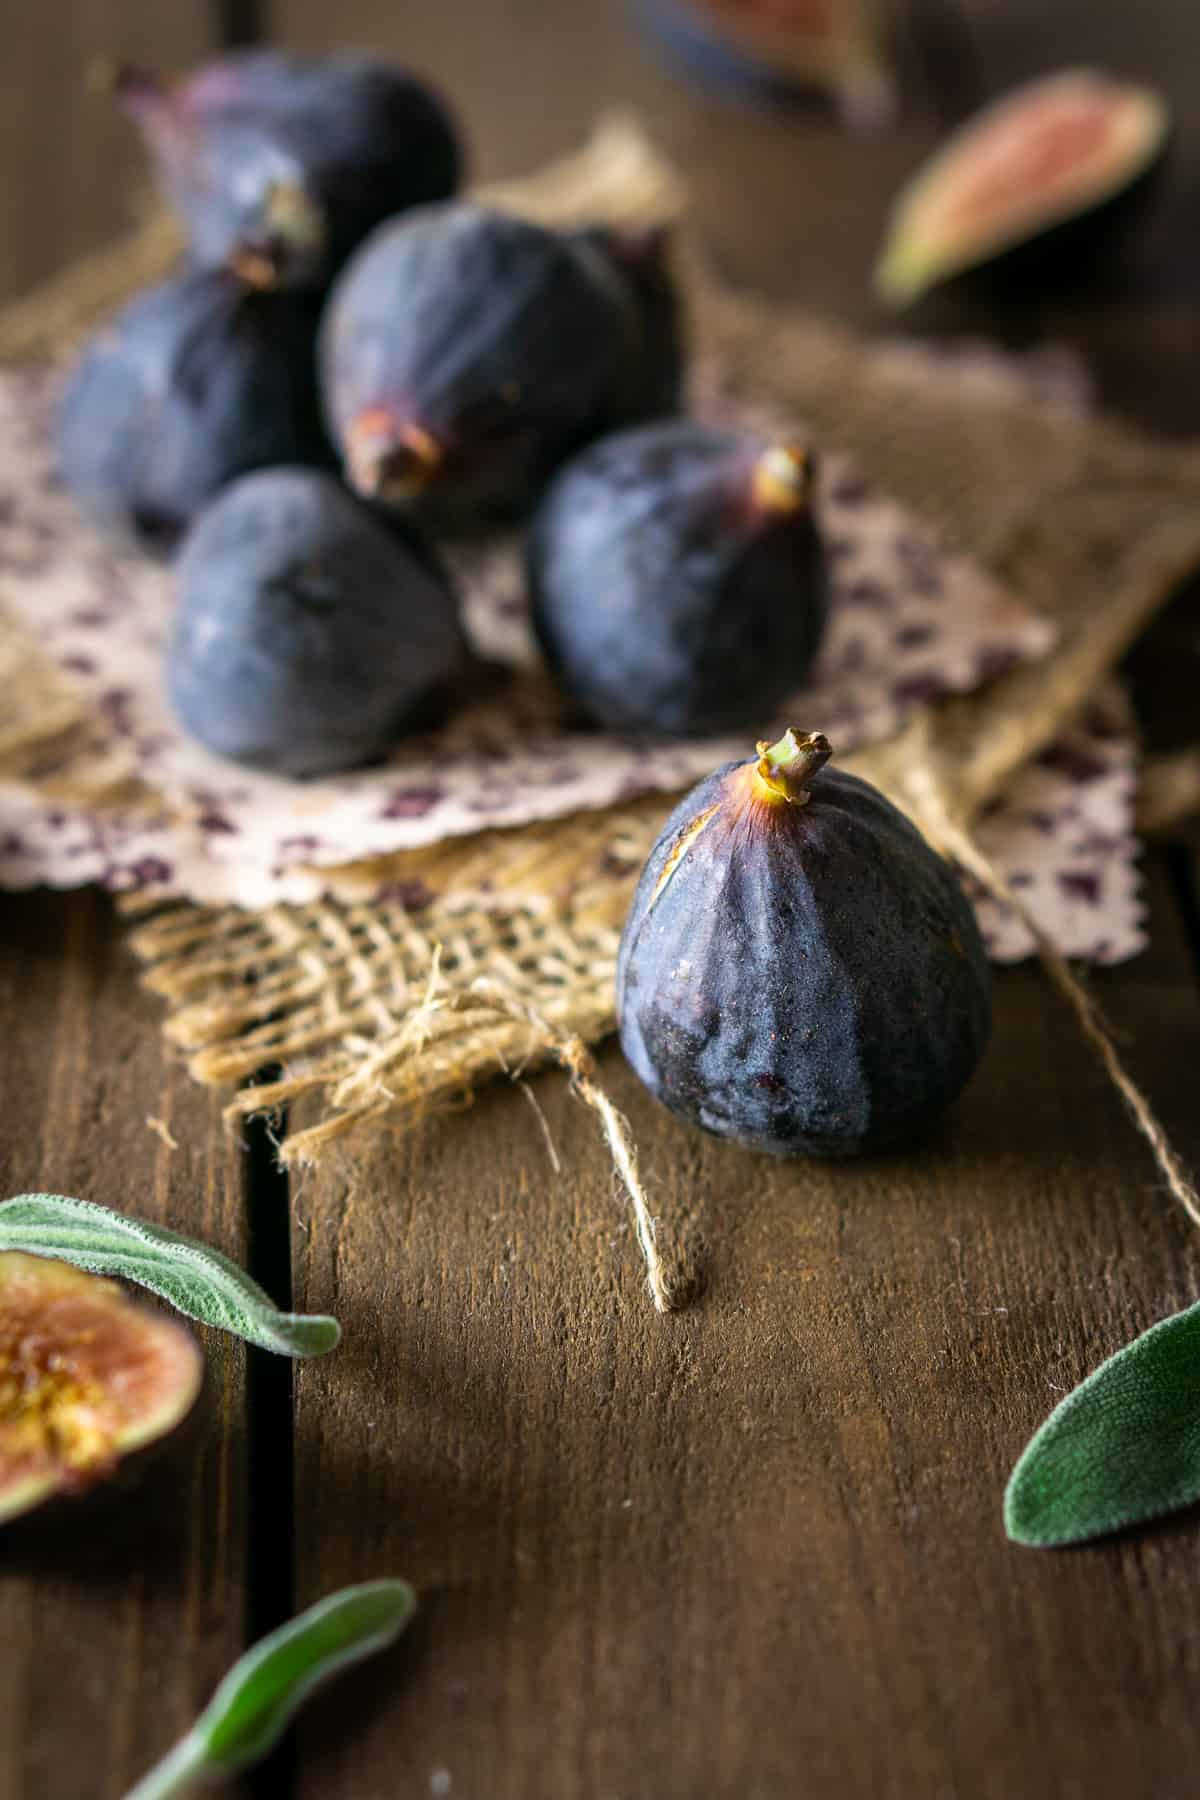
column 783, row 478
column 784, row 770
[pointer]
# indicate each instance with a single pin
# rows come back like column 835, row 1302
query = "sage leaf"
column 197, row 1281
column 1124, row 1446
column 254, row 1704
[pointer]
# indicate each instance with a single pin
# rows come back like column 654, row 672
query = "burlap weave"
column 498, row 950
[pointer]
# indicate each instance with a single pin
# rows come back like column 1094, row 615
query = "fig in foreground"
column 87, row 1377
column 1043, row 168
column 800, row 971
column 679, row 579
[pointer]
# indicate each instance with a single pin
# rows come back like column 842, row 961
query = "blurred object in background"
column 775, row 50
column 1033, row 186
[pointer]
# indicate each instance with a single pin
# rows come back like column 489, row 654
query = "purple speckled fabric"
column 910, row 621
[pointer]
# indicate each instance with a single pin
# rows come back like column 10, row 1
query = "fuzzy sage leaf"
column 1124, row 1446
column 254, row 1704
column 196, row 1280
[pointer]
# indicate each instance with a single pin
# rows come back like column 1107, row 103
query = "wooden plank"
column 70, row 166
column 117, row 1627
column 755, row 1548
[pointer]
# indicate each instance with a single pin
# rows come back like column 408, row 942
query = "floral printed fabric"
column 910, row 621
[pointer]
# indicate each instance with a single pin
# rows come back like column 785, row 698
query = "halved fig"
column 1047, row 157
column 87, row 1377
column 780, row 46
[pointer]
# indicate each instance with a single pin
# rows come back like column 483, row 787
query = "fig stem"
column 390, row 462
column 785, row 769
column 291, row 213
column 783, row 478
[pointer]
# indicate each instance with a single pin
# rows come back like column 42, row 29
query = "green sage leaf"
column 254, row 1704
column 197, row 1281
column 1124, row 1446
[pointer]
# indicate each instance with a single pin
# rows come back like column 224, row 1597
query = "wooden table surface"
column 754, row 1550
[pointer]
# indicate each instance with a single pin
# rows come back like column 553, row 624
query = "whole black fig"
column 799, row 970
column 465, row 352
column 193, row 383
column 280, row 164
column 309, row 633
column 679, row 579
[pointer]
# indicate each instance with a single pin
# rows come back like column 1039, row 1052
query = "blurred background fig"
column 193, row 383
column 800, row 971
column 776, row 50
column 640, row 260
column 1034, row 183
column 88, row 1377
column 280, row 164
column 465, row 352
column 678, row 578
column 309, row 633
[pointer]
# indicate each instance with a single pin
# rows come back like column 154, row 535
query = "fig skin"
column 678, row 579
column 280, row 165
column 802, row 975
column 309, row 632
column 465, row 353
column 640, row 261
column 89, row 1380
column 193, row 383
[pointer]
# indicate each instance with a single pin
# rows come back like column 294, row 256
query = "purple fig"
column 309, row 632
column 679, row 579
column 465, row 352
column 195, row 382
column 800, row 971
column 279, row 164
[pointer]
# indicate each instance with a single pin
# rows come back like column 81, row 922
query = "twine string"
column 954, row 840
column 572, row 1053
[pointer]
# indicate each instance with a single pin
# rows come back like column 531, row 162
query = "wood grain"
column 116, row 1625
column 754, row 1549
column 70, row 168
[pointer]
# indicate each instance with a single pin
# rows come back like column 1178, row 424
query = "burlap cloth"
column 497, row 950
